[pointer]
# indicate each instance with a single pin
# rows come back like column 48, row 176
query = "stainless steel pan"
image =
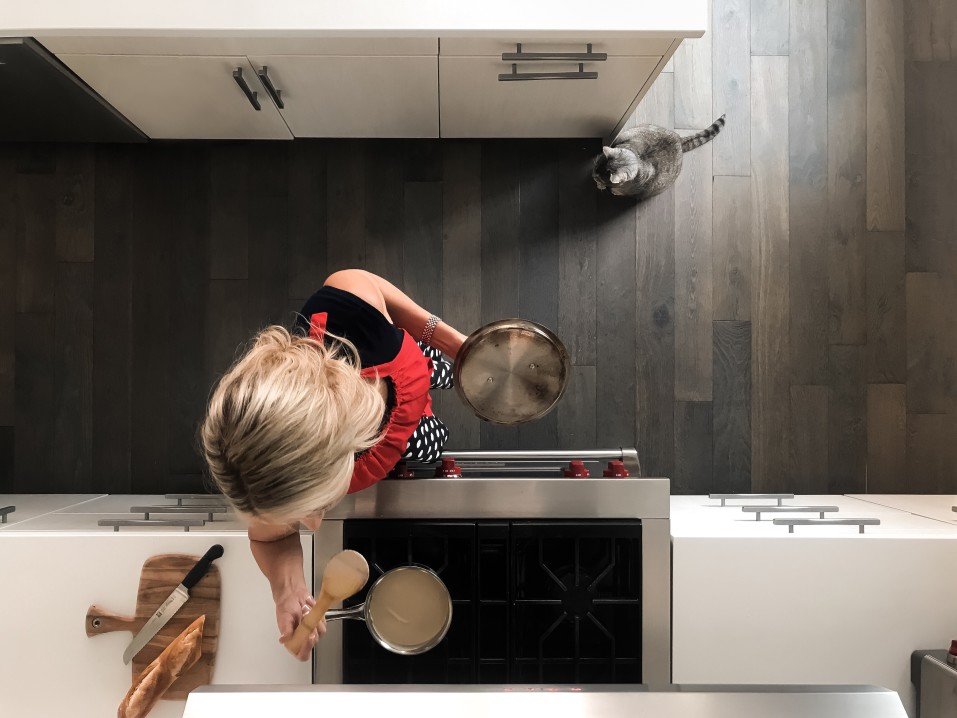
column 511, row 371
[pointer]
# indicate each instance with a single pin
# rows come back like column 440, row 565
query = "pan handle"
column 357, row 612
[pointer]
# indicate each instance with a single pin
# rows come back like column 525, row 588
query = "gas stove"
column 555, row 576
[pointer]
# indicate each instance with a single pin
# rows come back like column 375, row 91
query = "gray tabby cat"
column 646, row 160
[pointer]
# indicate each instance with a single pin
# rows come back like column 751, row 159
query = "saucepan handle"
column 357, row 612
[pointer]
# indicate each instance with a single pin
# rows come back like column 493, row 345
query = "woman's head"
column 284, row 424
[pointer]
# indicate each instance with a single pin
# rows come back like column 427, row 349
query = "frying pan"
column 511, row 371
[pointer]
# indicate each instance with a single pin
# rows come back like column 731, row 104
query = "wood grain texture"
column 886, row 309
column 461, row 263
column 75, row 204
column 847, row 157
column 731, row 82
column 931, row 27
column 846, row 415
column 577, row 253
column 693, row 278
column 654, row 293
column 770, row 288
column 35, row 404
column 155, row 204
column 501, row 253
column 577, row 413
column 693, row 447
column 226, row 323
column 931, row 350
column 113, row 321
column 769, row 27
column 346, row 206
column 885, row 114
column 931, row 453
column 693, row 83
column 731, row 241
column 189, row 289
column 36, row 242
column 8, row 289
column 422, row 244
column 931, row 148
column 268, row 219
column 158, row 577
column 538, row 233
column 7, row 463
column 886, row 438
column 732, row 407
column 307, row 218
column 807, row 163
column 73, row 373
column 385, row 214
column 228, row 199
column 808, row 468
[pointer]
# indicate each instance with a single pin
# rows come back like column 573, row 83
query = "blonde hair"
column 285, row 422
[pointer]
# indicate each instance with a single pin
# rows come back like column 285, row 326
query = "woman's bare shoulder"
column 360, row 283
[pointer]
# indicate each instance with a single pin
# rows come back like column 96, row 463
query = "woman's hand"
column 290, row 609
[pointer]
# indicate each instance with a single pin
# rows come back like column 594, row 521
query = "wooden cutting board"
column 159, row 576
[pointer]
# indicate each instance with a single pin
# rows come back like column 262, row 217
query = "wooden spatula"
column 346, row 573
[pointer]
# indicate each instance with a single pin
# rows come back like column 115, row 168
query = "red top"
column 410, row 373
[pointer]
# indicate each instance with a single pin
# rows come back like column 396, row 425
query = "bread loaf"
column 150, row 685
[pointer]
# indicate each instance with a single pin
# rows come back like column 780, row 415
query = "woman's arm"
column 397, row 306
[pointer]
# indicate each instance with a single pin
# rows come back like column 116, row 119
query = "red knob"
column 402, row 471
column 448, row 470
column 953, row 648
column 616, row 469
column 576, row 469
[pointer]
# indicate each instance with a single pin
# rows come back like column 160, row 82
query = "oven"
column 558, row 564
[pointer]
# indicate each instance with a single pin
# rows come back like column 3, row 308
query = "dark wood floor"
column 781, row 320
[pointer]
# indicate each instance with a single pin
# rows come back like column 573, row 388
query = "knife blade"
column 172, row 604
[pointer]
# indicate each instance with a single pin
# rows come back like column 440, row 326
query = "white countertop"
column 933, row 506
column 701, row 517
column 30, row 506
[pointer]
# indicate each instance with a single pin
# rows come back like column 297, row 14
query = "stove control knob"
column 576, row 470
column 952, row 654
column 616, row 469
column 448, row 470
column 402, row 471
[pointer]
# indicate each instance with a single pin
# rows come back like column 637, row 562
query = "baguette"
column 150, row 685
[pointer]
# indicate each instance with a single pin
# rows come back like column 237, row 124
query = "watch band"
column 430, row 329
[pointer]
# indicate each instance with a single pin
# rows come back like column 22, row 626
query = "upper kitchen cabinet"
column 43, row 100
column 184, row 97
column 542, row 88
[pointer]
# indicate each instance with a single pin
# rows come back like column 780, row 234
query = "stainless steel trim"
column 725, row 497
column 758, row 510
column 509, row 499
column 5, row 511
column 656, row 599
column 327, row 659
column 185, row 524
column 208, row 510
column 937, row 692
column 860, row 523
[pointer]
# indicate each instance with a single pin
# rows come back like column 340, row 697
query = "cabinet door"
column 475, row 103
column 356, row 96
column 182, row 97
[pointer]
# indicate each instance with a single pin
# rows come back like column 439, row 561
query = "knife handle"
column 202, row 566
column 99, row 621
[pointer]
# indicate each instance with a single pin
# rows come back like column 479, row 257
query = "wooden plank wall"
column 779, row 320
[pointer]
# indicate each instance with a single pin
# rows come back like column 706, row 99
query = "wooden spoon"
column 346, row 573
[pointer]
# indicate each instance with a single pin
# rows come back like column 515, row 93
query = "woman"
column 305, row 417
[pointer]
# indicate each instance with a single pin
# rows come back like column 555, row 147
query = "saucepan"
column 511, row 371
column 407, row 610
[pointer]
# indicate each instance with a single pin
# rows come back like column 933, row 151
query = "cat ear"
column 609, row 152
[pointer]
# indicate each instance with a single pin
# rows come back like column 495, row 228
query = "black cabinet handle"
column 587, row 56
column 275, row 94
column 250, row 95
column 516, row 75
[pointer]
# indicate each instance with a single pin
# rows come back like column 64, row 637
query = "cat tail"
column 699, row 138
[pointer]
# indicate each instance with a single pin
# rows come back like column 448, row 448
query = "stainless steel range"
column 558, row 563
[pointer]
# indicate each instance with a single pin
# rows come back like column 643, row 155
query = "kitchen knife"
column 171, row 605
